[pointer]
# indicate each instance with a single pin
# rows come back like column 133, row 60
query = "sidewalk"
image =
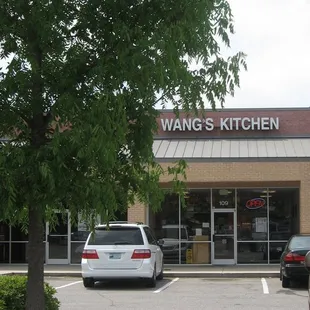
column 240, row 271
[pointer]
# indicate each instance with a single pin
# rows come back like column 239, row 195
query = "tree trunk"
column 35, row 285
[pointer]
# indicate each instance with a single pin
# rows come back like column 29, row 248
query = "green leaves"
column 78, row 96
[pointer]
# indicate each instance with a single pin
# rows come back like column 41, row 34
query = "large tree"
column 78, row 91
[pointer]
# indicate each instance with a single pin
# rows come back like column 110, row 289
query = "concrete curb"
column 175, row 274
column 222, row 274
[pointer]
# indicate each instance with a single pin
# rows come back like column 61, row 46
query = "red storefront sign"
column 255, row 203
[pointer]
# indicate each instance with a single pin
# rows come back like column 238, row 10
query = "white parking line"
column 63, row 286
column 265, row 286
column 166, row 286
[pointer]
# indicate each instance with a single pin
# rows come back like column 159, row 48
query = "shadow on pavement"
column 128, row 285
column 295, row 289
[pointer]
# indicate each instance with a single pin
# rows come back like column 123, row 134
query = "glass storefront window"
column 187, row 230
column 4, row 232
column 19, row 253
column 252, row 214
column 168, row 215
column 18, row 234
column 4, row 252
column 283, row 213
column 181, row 235
column 275, row 251
column 76, row 252
column 196, row 253
column 223, row 198
column 224, row 247
column 165, row 224
column 196, row 216
column 224, row 223
column 252, row 253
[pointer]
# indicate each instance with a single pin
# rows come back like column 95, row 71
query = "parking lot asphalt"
column 183, row 293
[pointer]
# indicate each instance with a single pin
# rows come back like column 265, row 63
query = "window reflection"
column 19, row 253
column 197, row 215
column 189, row 241
column 18, row 233
column 168, row 215
column 165, row 224
column 76, row 252
column 252, row 214
column 195, row 226
column 197, row 253
column 283, row 207
column 252, row 253
column 4, row 252
column 4, row 232
column 275, row 251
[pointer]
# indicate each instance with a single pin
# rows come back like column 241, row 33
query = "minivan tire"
column 286, row 282
column 152, row 281
column 88, row 282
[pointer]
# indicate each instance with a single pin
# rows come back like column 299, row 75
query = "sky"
column 275, row 35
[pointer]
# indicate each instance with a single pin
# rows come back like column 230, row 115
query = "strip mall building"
column 248, row 181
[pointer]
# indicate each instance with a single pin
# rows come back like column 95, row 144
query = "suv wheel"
column 285, row 282
column 152, row 281
column 88, row 282
column 161, row 275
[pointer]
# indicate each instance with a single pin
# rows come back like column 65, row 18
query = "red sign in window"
column 255, row 203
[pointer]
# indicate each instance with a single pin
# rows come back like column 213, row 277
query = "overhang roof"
column 229, row 149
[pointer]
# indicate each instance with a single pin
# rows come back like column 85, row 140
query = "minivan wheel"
column 286, row 282
column 152, row 281
column 161, row 275
column 88, row 282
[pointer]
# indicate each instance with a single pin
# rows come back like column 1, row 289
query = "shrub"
column 13, row 294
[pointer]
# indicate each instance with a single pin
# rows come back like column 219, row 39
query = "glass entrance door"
column 223, row 237
column 57, row 245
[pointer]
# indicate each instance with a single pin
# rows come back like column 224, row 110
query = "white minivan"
column 122, row 250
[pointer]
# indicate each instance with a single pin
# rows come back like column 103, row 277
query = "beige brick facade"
column 137, row 213
column 244, row 174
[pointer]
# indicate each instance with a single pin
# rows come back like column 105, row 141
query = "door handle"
column 213, row 236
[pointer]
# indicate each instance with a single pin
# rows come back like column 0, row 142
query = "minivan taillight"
column 293, row 257
column 141, row 254
column 90, row 254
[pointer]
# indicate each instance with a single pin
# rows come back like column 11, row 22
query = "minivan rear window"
column 117, row 236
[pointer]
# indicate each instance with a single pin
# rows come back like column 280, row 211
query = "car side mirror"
column 160, row 242
column 307, row 261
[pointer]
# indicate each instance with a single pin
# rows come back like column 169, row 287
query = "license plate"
column 115, row 255
column 302, row 262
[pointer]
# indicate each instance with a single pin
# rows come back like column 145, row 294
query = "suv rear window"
column 117, row 235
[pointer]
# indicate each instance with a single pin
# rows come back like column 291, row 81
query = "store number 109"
column 223, row 203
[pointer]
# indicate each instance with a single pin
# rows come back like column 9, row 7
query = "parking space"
column 123, row 294
column 183, row 293
column 298, row 291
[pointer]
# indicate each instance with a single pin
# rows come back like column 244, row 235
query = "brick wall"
column 137, row 213
column 245, row 174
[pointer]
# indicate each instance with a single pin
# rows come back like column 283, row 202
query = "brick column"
column 137, row 213
column 304, row 210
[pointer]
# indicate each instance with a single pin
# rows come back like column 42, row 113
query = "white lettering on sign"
column 209, row 124
column 225, row 124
